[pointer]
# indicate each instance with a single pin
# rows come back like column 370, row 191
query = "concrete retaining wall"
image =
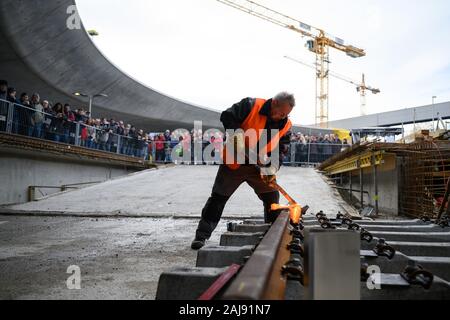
column 21, row 169
column 389, row 184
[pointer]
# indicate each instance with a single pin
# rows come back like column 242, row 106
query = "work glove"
column 269, row 174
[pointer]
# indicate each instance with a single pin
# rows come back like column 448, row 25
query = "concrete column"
column 77, row 134
column 9, row 118
column 293, row 149
column 375, row 182
column 361, row 186
column 309, row 153
column 351, row 188
column 332, row 265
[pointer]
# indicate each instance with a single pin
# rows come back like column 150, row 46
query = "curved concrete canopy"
column 39, row 53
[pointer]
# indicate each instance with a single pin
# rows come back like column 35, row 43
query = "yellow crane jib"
column 361, row 86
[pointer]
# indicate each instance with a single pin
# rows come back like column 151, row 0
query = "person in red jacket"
column 160, row 147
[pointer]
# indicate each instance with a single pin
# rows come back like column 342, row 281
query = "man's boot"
column 197, row 244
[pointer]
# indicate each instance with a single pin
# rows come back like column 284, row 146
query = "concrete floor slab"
column 182, row 191
column 186, row 283
column 413, row 236
column 404, row 228
column 118, row 258
column 439, row 290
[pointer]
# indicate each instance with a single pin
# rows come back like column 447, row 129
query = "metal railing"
column 312, row 154
column 27, row 121
column 33, row 189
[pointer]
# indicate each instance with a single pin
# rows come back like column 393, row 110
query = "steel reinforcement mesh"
column 426, row 170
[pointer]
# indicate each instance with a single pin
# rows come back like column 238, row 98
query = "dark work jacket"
column 233, row 118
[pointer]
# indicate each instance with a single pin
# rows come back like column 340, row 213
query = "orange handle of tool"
column 275, row 185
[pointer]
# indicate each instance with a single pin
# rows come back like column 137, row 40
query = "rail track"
column 255, row 261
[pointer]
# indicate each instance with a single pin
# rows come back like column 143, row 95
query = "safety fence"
column 27, row 121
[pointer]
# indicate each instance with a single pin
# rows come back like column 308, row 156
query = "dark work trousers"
column 227, row 182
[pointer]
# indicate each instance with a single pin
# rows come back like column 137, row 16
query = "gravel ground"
column 118, row 258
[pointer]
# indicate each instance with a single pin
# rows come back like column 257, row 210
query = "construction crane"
column 361, row 87
column 320, row 42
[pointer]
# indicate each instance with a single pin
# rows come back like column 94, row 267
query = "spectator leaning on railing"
column 13, row 100
column 103, row 134
column 37, row 119
column 112, row 138
column 12, row 96
column 48, row 113
column 121, row 129
column 337, row 144
column 167, row 147
column 133, row 141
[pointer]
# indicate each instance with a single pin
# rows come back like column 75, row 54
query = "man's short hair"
column 286, row 97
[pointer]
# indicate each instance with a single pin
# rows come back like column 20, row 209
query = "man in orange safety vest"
column 253, row 154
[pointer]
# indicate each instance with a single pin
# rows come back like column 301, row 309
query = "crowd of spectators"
column 314, row 148
column 38, row 118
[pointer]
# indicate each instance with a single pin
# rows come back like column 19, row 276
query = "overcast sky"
column 211, row 55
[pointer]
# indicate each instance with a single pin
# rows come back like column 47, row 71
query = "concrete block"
column 248, row 228
column 396, row 265
column 405, row 228
column 439, row 266
column 295, row 291
column 186, row 283
column 254, row 221
column 440, row 290
column 219, row 257
column 309, row 218
column 431, row 249
column 339, row 249
column 311, row 223
column 414, row 226
column 370, row 246
column 391, row 222
column 240, row 239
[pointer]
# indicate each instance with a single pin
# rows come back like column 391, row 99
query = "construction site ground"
column 122, row 257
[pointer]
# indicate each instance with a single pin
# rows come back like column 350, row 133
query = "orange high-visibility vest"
column 257, row 122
